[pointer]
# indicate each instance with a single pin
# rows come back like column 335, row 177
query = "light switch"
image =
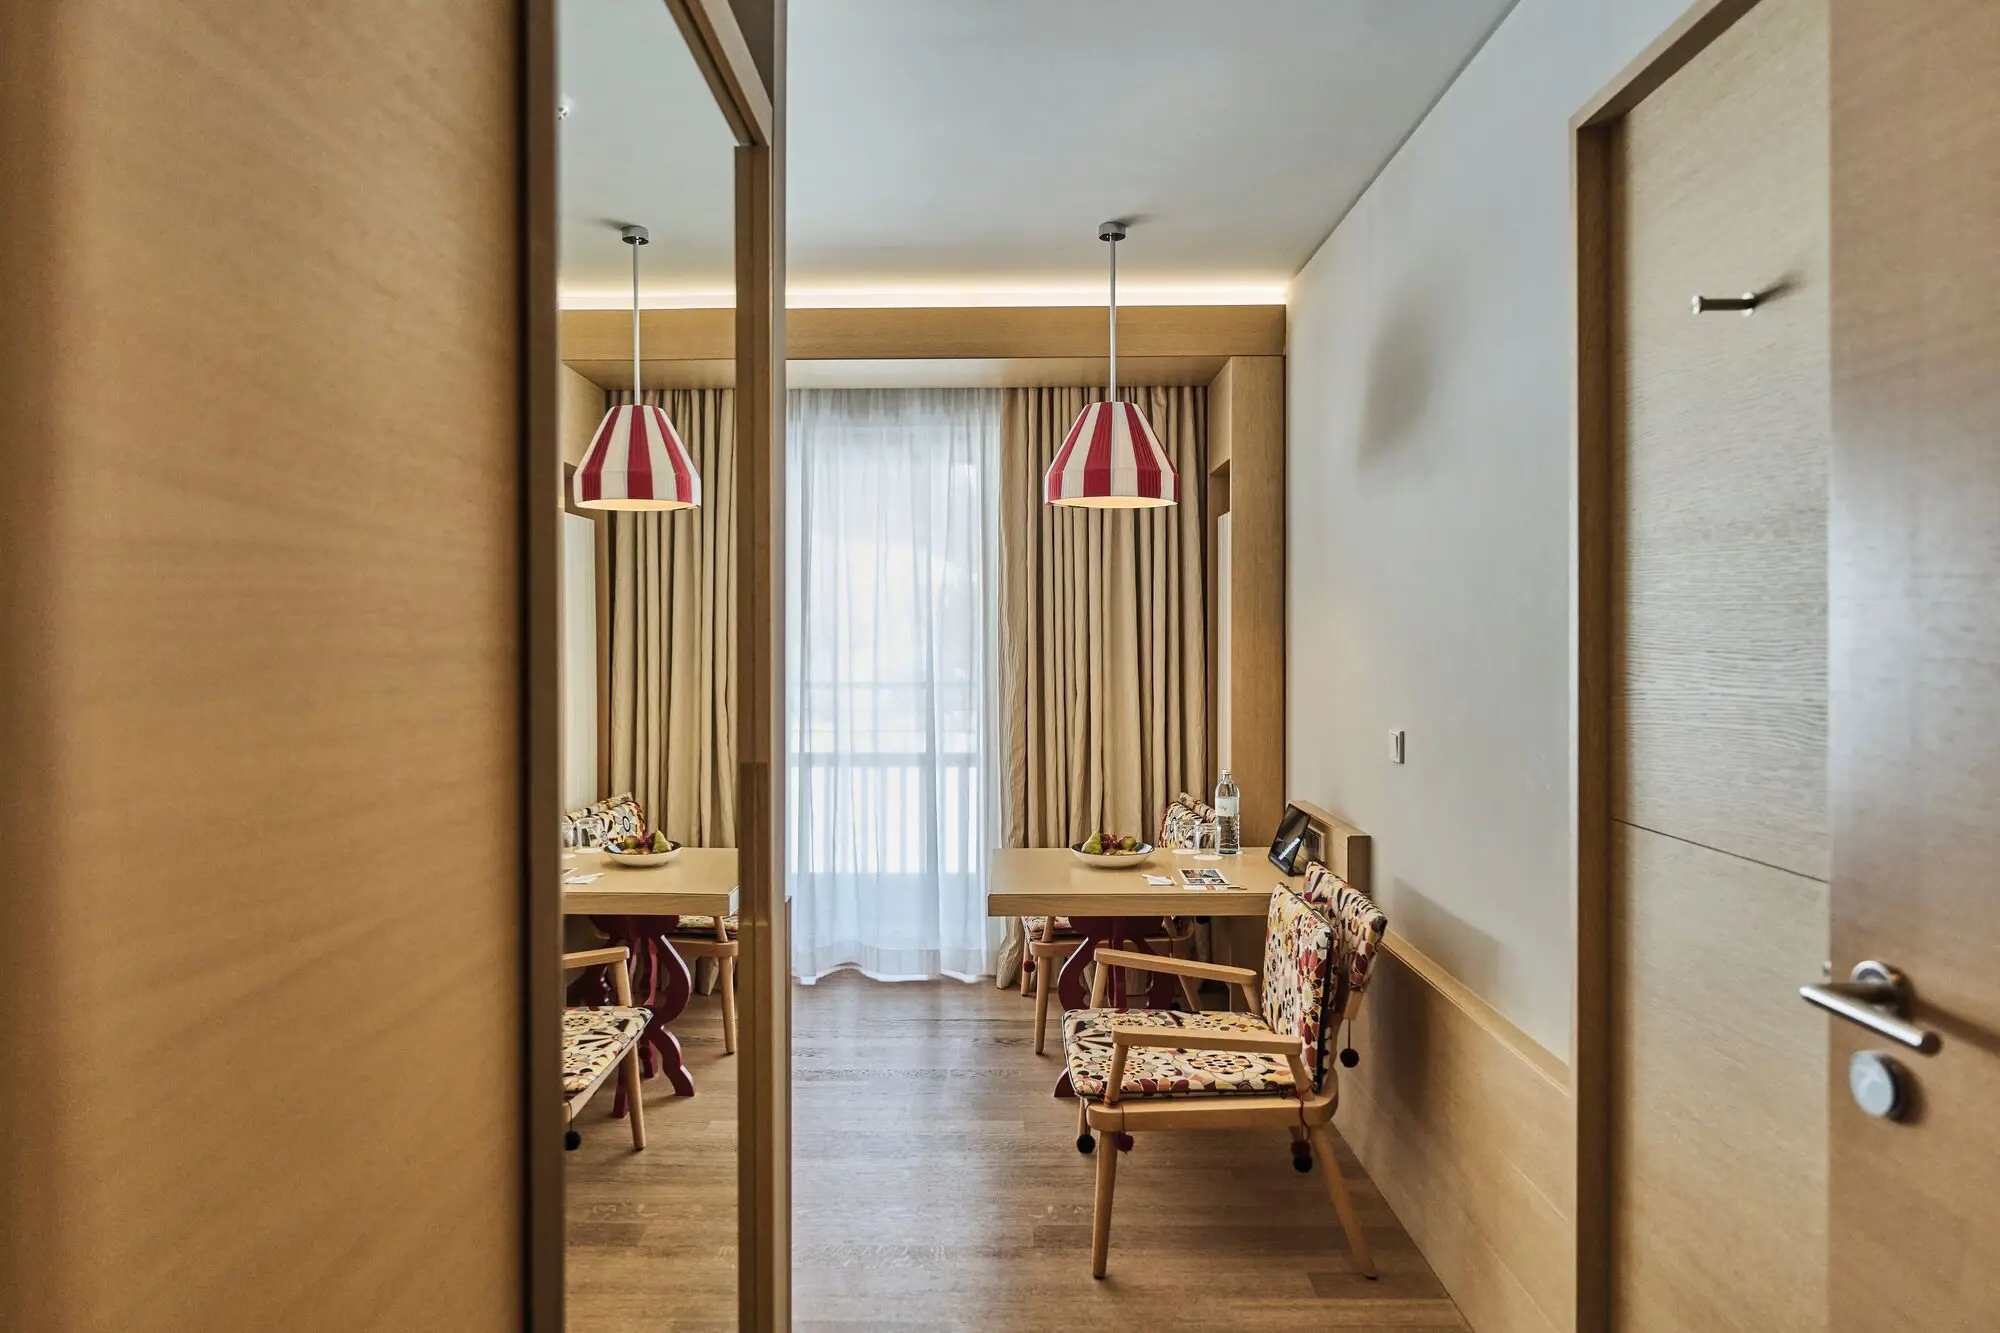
column 1395, row 747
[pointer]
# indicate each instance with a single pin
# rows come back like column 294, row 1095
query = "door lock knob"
column 1880, row 1085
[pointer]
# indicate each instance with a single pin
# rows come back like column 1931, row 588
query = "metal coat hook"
column 1747, row 303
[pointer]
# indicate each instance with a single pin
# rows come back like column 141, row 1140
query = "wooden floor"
column 937, row 1186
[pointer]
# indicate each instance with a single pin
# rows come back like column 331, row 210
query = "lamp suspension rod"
column 1113, row 232
column 635, row 237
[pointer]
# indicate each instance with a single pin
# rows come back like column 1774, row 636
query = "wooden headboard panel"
column 1343, row 847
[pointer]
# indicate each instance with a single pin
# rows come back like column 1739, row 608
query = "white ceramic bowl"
column 1138, row 856
column 638, row 859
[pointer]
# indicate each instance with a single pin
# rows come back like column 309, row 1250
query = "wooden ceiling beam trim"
column 934, row 333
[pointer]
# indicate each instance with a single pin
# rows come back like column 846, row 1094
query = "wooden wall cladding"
column 1465, row 1126
column 261, row 941
column 939, row 333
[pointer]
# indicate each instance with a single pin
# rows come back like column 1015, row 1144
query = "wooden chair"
column 713, row 937
column 1147, row 1069
column 598, row 1038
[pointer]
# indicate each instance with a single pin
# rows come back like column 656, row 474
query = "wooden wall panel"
column 1464, row 1124
column 261, row 1048
column 1722, row 639
column 931, row 333
column 581, row 409
column 1246, row 424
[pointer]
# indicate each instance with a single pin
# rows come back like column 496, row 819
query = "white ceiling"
column 643, row 142
column 963, row 151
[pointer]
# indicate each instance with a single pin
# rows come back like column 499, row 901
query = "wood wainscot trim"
column 1464, row 1123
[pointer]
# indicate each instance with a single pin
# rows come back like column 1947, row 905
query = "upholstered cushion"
column 1034, row 924
column 703, row 927
column 1298, row 972
column 593, row 1041
column 1156, row 1071
column 1357, row 923
column 590, row 826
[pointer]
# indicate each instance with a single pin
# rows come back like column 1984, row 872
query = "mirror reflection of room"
column 650, row 894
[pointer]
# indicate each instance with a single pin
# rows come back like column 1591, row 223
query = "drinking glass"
column 1208, row 840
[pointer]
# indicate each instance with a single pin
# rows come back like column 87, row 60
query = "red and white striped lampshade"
column 1111, row 460
column 637, row 461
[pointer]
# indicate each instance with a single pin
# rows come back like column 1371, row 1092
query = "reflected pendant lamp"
column 636, row 460
column 1111, row 459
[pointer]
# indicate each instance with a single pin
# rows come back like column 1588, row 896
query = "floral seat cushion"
column 703, row 927
column 594, row 1039
column 1152, row 1071
column 1034, row 924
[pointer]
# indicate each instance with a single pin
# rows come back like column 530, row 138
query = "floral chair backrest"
column 1358, row 925
column 594, row 825
column 1299, row 977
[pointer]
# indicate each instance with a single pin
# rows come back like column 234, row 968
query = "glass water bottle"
column 1228, row 824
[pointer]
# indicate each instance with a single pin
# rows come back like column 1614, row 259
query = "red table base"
column 660, row 981
column 1120, row 932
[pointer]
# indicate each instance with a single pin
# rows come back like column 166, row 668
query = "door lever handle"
column 1877, row 998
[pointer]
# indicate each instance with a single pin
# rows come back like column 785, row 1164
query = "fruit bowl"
column 1113, row 859
column 639, row 856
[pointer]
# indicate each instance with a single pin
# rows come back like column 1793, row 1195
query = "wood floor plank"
column 936, row 1186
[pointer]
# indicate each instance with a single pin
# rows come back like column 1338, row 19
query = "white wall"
column 1429, row 521
column 579, row 662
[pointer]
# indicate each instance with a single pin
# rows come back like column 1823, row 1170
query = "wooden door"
column 1915, row 623
column 267, row 689
column 1717, row 850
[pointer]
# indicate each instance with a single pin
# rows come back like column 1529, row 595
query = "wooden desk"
column 701, row 881
column 1050, row 881
column 638, row 908
column 1115, row 906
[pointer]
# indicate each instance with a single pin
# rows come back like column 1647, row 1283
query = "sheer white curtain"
column 891, row 555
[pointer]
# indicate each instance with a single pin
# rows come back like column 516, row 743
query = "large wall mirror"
column 651, row 690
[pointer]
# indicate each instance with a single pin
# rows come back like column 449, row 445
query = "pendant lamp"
column 636, row 460
column 1111, row 459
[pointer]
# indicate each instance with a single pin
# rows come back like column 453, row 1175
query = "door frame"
column 1595, row 131
column 739, row 47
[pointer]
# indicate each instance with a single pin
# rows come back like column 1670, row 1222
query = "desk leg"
column 1119, row 933
column 660, row 981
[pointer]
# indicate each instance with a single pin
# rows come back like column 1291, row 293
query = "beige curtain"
column 1104, row 646
column 672, row 699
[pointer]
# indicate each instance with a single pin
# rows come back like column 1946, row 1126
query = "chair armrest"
column 616, row 953
column 1180, row 967
column 1201, row 1039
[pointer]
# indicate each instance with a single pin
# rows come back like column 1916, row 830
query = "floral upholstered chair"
column 1150, row 1069
column 593, row 825
column 1178, row 825
column 599, row 1038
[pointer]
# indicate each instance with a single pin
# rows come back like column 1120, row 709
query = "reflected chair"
column 713, row 937
column 1137, row 1070
column 599, row 1038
